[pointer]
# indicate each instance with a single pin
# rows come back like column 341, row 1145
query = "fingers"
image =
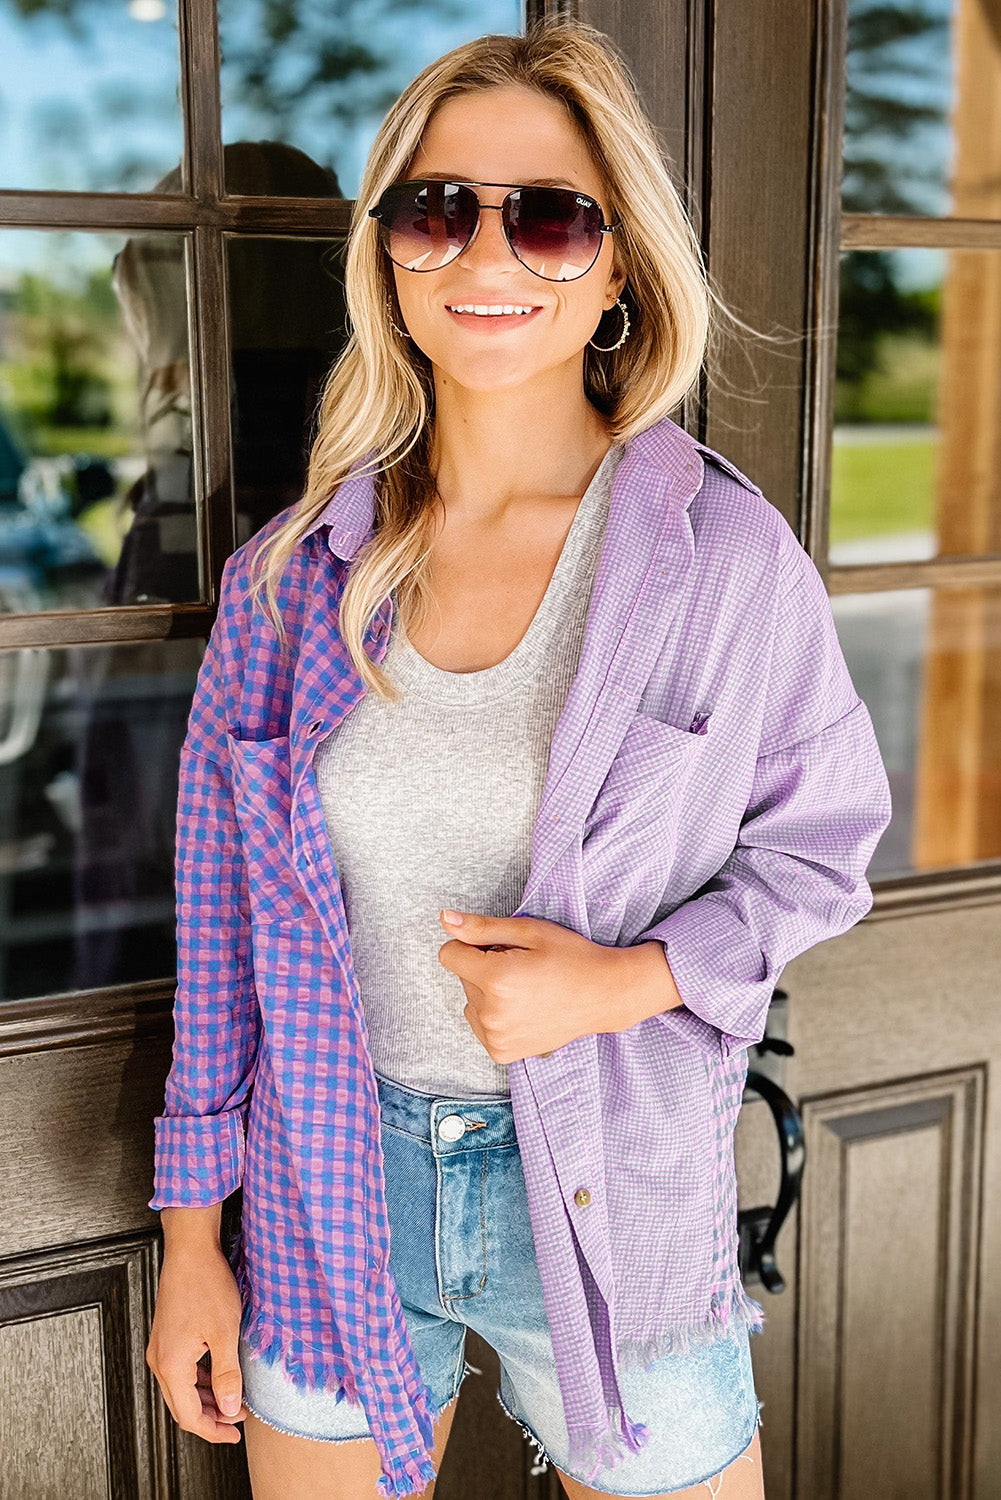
column 227, row 1378
column 211, row 1404
column 191, row 1398
column 194, row 1345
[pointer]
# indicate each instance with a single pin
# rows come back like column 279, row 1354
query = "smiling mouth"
column 486, row 315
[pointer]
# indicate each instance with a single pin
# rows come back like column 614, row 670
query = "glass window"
column 321, row 76
column 914, row 476
column 927, row 662
column 97, row 502
column 903, row 85
column 915, row 471
column 89, row 743
column 287, row 325
column 90, row 98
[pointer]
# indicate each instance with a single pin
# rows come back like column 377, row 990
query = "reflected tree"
column 299, row 72
column 872, row 305
column 897, row 103
column 897, row 100
column 286, row 59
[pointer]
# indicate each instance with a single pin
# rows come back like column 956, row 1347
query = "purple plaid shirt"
column 714, row 783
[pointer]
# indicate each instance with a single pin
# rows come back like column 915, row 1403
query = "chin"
column 478, row 377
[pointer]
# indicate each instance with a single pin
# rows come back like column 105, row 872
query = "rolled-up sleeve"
column 199, row 1138
column 818, row 805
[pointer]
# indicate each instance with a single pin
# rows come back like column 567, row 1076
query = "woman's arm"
column 819, row 803
column 199, row 1137
column 192, row 1228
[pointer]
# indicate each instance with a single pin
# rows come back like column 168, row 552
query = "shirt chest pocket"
column 262, row 801
column 631, row 831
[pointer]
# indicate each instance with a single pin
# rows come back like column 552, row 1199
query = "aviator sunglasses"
column 555, row 232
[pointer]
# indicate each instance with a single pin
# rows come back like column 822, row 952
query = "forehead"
column 509, row 134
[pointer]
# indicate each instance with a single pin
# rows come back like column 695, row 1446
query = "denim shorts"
column 462, row 1254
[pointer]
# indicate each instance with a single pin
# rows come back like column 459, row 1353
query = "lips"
column 486, row 321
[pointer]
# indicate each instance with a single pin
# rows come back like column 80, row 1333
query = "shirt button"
column 582, row 1197
column 546, row 1054
column 451, row 1127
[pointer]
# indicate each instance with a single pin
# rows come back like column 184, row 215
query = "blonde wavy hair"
column 379, row 393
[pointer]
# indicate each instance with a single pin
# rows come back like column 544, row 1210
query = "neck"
column 494, row 447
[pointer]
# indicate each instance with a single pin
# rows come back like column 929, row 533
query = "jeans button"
column 451, row 1127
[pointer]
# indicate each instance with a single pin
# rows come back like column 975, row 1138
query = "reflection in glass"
column 89, row 745
column 323, row 75
column 96, row 486
column 927, row 663
column 90, row 94
column 916, row 464
column 909, row 80
column 287, row 325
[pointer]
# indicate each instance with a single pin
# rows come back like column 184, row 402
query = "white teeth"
column 490, row 312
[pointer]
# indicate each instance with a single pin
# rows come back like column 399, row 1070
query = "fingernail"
column 231, row 1405
column 453, row 917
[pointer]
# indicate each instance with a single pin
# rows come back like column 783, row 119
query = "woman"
column 542, row 700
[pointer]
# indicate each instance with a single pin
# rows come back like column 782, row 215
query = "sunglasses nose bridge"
column 487, row 208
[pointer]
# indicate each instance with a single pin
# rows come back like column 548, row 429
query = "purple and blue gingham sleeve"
column 819, row 802
column 199, row 1138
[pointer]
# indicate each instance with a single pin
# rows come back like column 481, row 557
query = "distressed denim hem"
column 545, row 1459
column 312, row 1438
column 542, row 1458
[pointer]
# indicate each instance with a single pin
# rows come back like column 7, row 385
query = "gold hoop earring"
column 607, row 348
column 401, row 331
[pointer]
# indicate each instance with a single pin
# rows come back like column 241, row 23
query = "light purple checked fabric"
column 714, row 783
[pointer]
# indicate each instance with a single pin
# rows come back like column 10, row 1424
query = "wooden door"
column 842, row 160
column 145, row 325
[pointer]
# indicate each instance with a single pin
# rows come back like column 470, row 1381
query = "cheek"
column 579, row 319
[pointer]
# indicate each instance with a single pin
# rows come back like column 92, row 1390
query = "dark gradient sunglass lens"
column 554, row 232
column 425, row 226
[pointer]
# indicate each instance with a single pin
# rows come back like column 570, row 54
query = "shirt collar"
column 349, row 513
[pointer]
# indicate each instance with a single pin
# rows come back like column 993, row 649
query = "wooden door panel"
column 888, row 1288
column 73, row 1120
column 880, row 1364
column 78, row 1413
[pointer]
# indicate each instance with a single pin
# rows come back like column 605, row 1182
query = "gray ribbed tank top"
column 431, row 802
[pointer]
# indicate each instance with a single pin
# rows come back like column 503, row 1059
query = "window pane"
column 90, row 96
column 321, row 76
column 917, row 449
column 89, row 745
column 922, row 78
column 928, row 664
column 96, row 489
column 287, row 318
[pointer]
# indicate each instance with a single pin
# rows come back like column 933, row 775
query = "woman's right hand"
column 198, row 1312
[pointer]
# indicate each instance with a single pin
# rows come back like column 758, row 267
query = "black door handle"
column 758, row 1228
